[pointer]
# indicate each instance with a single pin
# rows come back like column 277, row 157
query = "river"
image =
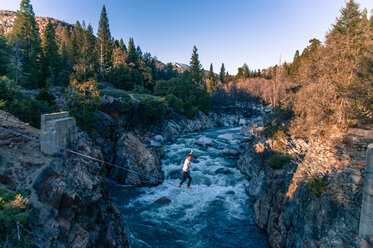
column 216, row 212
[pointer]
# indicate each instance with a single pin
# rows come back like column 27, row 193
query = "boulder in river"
column 204, row 141
column 223, row 171
column 242, row 122
column 230, row 136
column 231, row 152
column 158, row 138
column 163, row 200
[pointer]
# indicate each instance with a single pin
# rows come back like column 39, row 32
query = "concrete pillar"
column 57, row 129
column 366, row 216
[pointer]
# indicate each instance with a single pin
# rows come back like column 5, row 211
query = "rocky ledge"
column 296, row 214
column 70, row 205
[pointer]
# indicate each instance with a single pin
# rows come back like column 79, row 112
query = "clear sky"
column 231, row 31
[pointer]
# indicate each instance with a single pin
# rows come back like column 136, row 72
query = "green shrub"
column 154, row 107
column 139, row 89
column 270, row 129
column 45, row 96
column 21, row 105
column 318, row 186
column 124, row 77
column 12, row 209
column 277, row 161
column 190, row 110
column 174, row 103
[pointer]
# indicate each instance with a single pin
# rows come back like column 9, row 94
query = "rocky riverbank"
column 295, row 213
column 138, row 147
column 69, row 202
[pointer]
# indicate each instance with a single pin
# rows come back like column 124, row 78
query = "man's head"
column 189, row 157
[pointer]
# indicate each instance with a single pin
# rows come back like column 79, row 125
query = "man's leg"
column 189, row 179
column 184, row 178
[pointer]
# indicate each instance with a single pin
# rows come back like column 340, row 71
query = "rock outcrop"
column 289, row 211
column 133, row 155
column 69, row 201
column 8, row 17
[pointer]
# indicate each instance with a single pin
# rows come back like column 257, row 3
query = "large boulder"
column 132, row 154
column 204, row 141
column 163, row 201
column 231, row 152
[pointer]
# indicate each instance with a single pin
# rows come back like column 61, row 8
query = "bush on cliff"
column 277, row 161
column 83, row 103
column 21, row 105
column 317, row 186
column 43, row 95
column 174, row 103
column 13, row 209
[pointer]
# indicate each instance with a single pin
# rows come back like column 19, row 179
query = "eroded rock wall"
column 289, row 211
column 70, row 204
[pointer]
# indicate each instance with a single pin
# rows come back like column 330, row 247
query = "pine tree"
column 295, row 65
column 211, row 78
column 222, row 74
column 138, row 51
column 246, row 73
column 122, row 45
column 239, row 73
column 50, row 59
column 64, row 45
column 132, row 54
column 4, row 54
column 104, row 38
column 195, row 66
column 76, row 42
column 89, row 48
column 25, row 36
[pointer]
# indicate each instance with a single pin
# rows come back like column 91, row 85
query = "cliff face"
column 69, row 201
column 7, row 18
column 289, row 211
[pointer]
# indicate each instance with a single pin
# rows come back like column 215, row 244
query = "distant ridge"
column 7, row 18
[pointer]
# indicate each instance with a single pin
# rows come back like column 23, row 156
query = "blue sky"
column 231, row 31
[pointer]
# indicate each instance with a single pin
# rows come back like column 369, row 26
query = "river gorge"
column 216, row 212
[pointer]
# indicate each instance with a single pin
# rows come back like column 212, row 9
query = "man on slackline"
column 184, row 171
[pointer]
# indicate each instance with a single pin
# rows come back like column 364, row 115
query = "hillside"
column 7, row 18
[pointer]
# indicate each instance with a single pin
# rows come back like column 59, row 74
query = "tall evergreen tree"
column 25, row 36
column 50, row 61
column 211, row 78
column 122, row 45
column 89, row 48
column 132, row 53
column 64, row 48
column 104, row 38
column 295, row 65
column 4, row 54
column 246, row 72
column 239, row 73
column 76, row 42
column 222, row 74
column 195, row 66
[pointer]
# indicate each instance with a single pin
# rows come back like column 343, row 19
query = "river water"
column 216, row 212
